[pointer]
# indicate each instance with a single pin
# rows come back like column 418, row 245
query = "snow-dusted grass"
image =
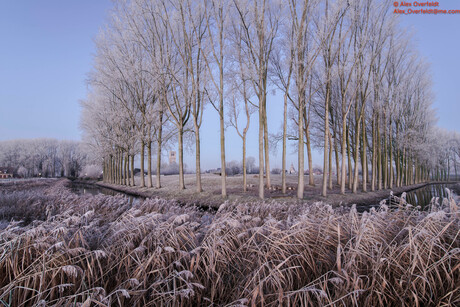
column 211, row 194
column 100, row 250
column 23, row 180
column 212, row 182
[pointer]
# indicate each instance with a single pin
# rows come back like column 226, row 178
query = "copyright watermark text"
column 420, row 8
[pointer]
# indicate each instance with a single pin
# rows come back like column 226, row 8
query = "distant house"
column 317, row 171
column 6, row 172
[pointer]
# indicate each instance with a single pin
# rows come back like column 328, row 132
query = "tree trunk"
column 221, row 117
column 374, row 156
column 222, row 149
column 283, row 163
column 311, row 179
column 181, row 159
column 104, row 170
column 301, row 156
column 149, row 163
column 397, row 158
column 199, row 188
column 390, row 147
column 120, row 167
column 455, row 168
column 330, row 161
column 385, row 155
column 261, row 149
column 403, row 168
column 364, row 155
column 117, row 168
column 125, row 173
column 245, row 183
column 114, row 169
column 128, row 177
column 132, row 170
column 158, row 171
column 114, row 166
column 356, row 171
column 108, row 170
column 337, row 162
column 142, row 164
column 267, row 152
column 406, row 176
column 159, row 144
column 350, row 174
column 344, row 140
column 379, row 154
column 448, row 168
column 326, row 136
column 110, row 174
column 105, row 174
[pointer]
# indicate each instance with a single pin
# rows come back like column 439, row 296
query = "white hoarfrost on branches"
column 354, row 87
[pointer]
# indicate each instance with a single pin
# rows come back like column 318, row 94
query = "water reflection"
column 422, row 197
column 82, row 189
column 418, row 197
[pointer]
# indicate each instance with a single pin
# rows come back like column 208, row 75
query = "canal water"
column 419, row 197
column 82, row 188
column 423, row 196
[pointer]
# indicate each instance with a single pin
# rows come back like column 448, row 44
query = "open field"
column 86, row 250
column 211, row 196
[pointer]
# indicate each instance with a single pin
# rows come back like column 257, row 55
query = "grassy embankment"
column 211, row 196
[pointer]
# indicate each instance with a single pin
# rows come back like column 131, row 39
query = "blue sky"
column 438, row 40
column 46, row 52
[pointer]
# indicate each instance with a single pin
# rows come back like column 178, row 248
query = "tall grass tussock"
column 62, row 249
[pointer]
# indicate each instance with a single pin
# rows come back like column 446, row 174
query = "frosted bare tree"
column 259, row 22
column 217, row 19
column 327, row 33
column 282, row 67
column 304, row 55
column 240, row 94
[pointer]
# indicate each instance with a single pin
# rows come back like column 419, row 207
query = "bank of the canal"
column 207, row 199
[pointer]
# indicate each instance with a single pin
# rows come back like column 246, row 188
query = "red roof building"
column 5, row 174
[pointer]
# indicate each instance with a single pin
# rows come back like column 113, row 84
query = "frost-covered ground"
column 60, row 248
column 211, row 194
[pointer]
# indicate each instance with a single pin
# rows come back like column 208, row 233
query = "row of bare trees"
column 353, row 85
column 46, row 158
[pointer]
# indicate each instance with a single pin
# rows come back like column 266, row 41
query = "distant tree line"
column 238, row 167
column 47, row 158
column 353, row 85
